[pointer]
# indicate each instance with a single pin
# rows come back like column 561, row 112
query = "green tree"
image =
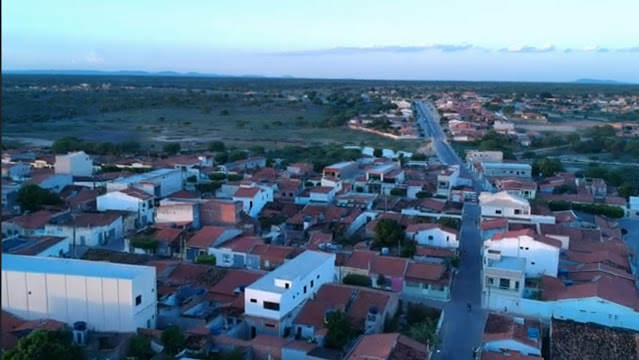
column 140, row 347
column 173, row 340
column 398, row 192
column 449, row 222
column 257, row 150
column 547, row 167
column 238, row 155
column 32, row 197
column 66, row 144
column 418, row 157
column 357, row 280
column 381, row 281
column 234, row 177
column 425, row 332
column 409, row 248
column 206, row 260
column 378, row 153
column 388, row 233
column 424, row 194
column 340, row 330
column 217, row 146
column 172, row 148
column 417, row 313
column 221, row 158
column 46, row 345
column 626, row 190
column 130, row 146
column 217, row 176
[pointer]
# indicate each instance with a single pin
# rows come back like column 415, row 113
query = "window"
column 304, row 289
column 312, row 283
column 138, row 300
column 498, row 212
column 532, row 263
column 430, row 237
column 527, row 248
column 269, row 325
column 271, row 306
column 516, row 285
column 287, row 285
column 318, row 276
column 517, row 212
column 491, row 281
column 254, row 300
column 504, row 283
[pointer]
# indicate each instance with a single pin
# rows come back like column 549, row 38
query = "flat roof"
column 339, row 165
column 145, row 176
column 382, row 168
column 298, row 267
column 509, row 263
column 61, row 266
column 486, row 164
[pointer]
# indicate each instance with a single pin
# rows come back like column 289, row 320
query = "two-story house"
column 253, row 199
column 269, row 301
column 384, row 177
column 89, row 229
column 138, row 202
column 504, row 205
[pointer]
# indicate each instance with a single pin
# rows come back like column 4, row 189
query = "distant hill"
column 599, row 82
column 123, row 73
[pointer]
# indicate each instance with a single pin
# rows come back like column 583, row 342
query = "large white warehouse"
column 107, row 296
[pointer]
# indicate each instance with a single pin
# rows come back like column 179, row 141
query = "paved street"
column 461, row 330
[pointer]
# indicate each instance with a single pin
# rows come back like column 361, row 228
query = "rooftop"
column 388, row 346
column 297, row 268
column 339, row 166
column 51, row 265
column 509, row 263
column 29, row 245
column 571, row 340
column 148, row 176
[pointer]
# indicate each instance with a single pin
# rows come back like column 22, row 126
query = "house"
column 36, row 245
column 489, row 169
column 236, row 252
column 342, row 170
column 541, row 252
column 80, row 198
column 207, row 238
column 269, row 257
column 180, row 213
column 462, row 194
column 289, row 189
column 446, row 179
column 10, row 195
column 517, row 187
column 220, row 212
column 300, row 169
column 133, row 200
column 89, row 229
column 188, row 165
column 74, row 164
column 474, row 156
column 391, row 346
column 367, row 309
column 427, row 280
column 30, row 224
column 257, row 162
column 16, row 171
column 49, row 180
column 504, row 333
column 159, row 183
column 502, row 277
column 433, row 235
column 633, row 206
column 490, row 228
column 357, row 263
column 362, row 201
column 269, row 300
column 387, row 272
column 503, row 205
column 253, row 199
column 382, row 178
column 104, row 296
column 170, row 241
column 319, row 194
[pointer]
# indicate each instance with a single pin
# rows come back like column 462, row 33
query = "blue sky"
column 542, row 40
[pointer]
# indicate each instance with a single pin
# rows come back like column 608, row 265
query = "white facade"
column 506, row 169
column 98, row 235
column 322, row 196
column 541, row 258
column 252, row 205
column 159, row 183
column 434, row 237
column 282, row 290
column 171, row 211
column 446, row 180
column 74, row 164
column 633, row 205
column 117, row 200
column 107, row 296
column 503, row 204
column 474, row 155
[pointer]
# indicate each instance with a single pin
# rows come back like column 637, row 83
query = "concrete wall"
column 75, row 164
column 435, row 237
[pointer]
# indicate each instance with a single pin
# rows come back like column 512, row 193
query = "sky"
column 503, row 40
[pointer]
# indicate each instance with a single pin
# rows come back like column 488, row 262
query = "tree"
column 66, row 144
column 173, row 340
column 424, row 194
column 340, row 330
column 449, row 222
column 257, row 150
column 626, row 190
column 547, row 167
column 408, row 249
column 221, row 158
column 425, row 332
column 234, row 177
column 217, row 146
column 217, row 176
column 46, row 345
column 417, row 313
column 398, row 192
column 357, row 280
column 32, row 197
column 172, row 148
column 388, row 233
column 140, row 347
column 378, row 153
column 238, row 155
column 130, row 146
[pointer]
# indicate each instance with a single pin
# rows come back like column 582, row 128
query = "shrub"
column 234, row 177
column 217, row 176
column 357, row 280
column 206, row 260
column 424, row 194
column 398, row 192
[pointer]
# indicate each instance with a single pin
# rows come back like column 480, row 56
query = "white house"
column 178, row 212
column 269, row 300
column 433, row 235
column 503, row 205
column 75, row 164
column 107, row 296
column 342, row 170
column 159, row 183
column 446, row 180
column 323, row 194
column 505, row 333
column 253, row 199
column 131, row 200
column 475, row 155
column 633, row 205
column 503, row 277
column 541, row 252
column 89, row 229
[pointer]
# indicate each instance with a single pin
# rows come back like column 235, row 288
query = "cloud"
column 528, row 49
column 629, row 49
column 349, row 50
column 91, row 58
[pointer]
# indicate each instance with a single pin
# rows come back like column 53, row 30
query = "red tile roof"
column 388, row 266
column 168, row 235
column 185, row 273
column 360, row 259
column 247, row 192
column 224, row 290
column 206, row 237
column 367, row 298
column 501, row 327
column 425, row 271
column 137, row 193
column 500, row 223
column 511, row 355
column 435, row 252
column 33, row 221
column 392, row 346
column 612, row 288
column 243, row 244
column 85, row 220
